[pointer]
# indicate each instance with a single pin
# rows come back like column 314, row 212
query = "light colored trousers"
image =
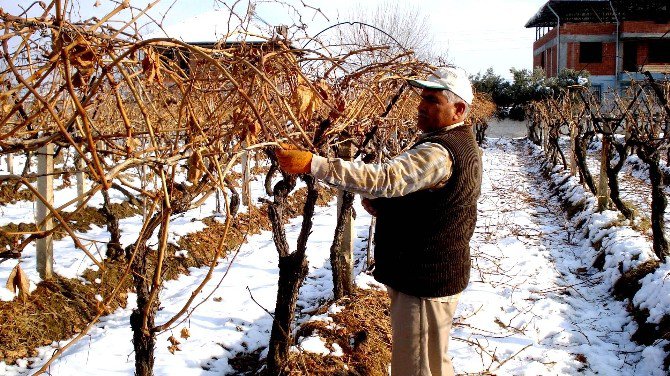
column 421, row 335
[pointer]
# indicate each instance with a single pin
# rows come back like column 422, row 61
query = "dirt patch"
column 80, row 221
column 6, row 237
column 57, row 309
column 362, row 330
column 11, row 193
column 629, row 283
column 572, row 209
column 601, row 257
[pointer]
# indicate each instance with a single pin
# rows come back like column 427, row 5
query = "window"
column 542, row 62
column 590, row 52
column 659, row 51
column 597, row 91
column 630, row 56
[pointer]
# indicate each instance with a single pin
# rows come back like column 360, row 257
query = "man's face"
column 436, row 112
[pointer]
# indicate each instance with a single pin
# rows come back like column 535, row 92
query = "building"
column 216, row 30
column 615, row 41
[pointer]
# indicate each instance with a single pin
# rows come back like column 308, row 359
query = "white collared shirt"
column 428, row 165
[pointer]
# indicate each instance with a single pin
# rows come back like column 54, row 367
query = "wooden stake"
column 143, row 185
column 371, row 234
column 45, row 166
column 603, row 196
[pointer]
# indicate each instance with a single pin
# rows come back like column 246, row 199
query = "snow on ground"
column 71, row 262
column 624, row 247
column 533, row 307
column 228, row 323
column 634, row 184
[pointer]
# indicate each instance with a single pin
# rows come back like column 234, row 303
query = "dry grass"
column 362, row 329
column 80, row 221
column 55, row 310
column 363, row 332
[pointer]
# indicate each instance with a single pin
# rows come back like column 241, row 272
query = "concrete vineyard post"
column 246, row 176
column 603, row 197
column 45, row 187
column 573, row 157
column 81, row 180
column 10, row 163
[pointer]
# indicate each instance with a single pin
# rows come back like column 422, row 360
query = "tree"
column 511, row 97
column 400, row 26
column 494, row 85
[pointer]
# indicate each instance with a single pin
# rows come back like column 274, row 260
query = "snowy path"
column 532, row 308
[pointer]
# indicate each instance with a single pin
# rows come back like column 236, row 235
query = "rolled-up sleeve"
column 428, row 165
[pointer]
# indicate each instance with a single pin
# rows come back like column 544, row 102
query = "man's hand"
column 367, row 205
column 293, row 161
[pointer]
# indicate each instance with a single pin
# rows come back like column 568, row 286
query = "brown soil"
column 80, row 221
column 363, row 332
column 56, row 309
column 629, row 283
column 60, row 308
column 87, row 216
column 10, row 193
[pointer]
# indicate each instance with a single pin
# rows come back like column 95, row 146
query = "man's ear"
column 460, row 109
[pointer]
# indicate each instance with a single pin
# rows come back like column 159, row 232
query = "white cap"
column 453, row 79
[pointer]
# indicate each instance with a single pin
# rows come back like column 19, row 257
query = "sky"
column 475, row 34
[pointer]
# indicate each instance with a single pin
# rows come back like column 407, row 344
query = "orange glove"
column 293, row 161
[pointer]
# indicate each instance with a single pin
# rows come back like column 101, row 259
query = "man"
column 425, row 200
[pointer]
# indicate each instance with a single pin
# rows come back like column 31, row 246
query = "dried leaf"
column 132, row 143
column 5, row 104
column 184, row 333
column 340, row 106
column 174, row 341
column 306, row 100
column 309, row 99
column 10, row 280
column 78, row 80
column 6, row 108
column 97, row 3
column 218, row 299
column 23, row 283
column 80, row 54
column 18, row 281
column 151, row 65
column 173, row 348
